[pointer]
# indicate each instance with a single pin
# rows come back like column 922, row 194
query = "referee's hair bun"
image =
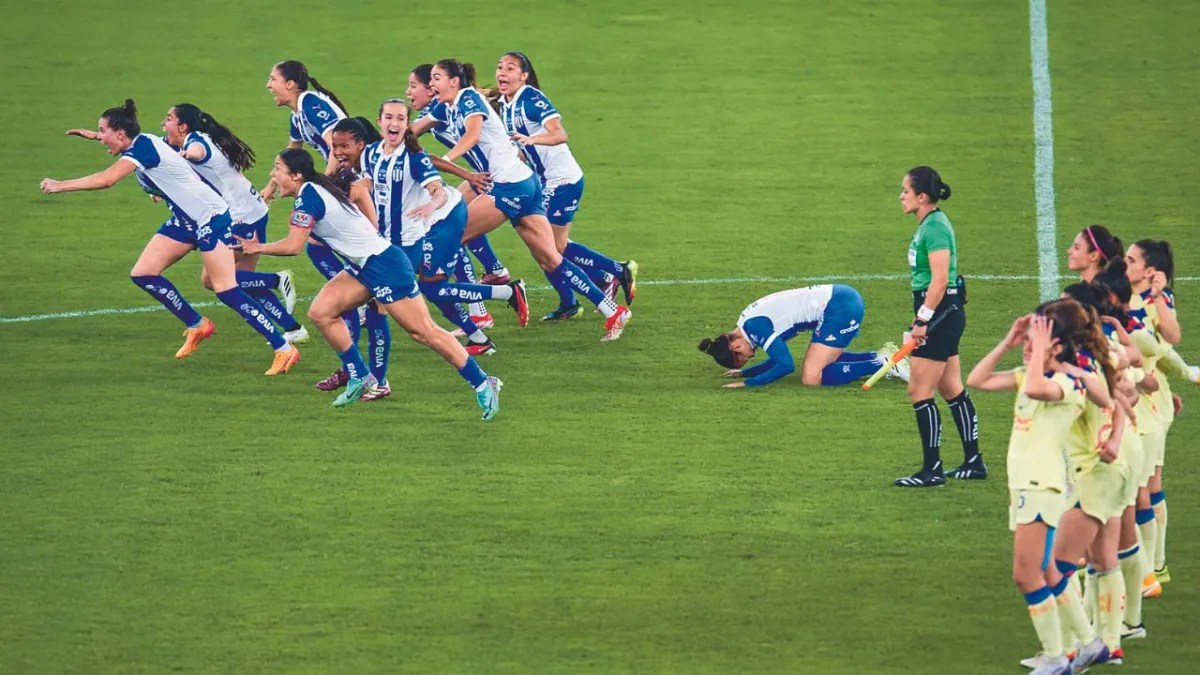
column 705, row 345
column 943, row 192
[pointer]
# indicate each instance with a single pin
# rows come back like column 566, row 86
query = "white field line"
column 831, row 278
column 1043, row 155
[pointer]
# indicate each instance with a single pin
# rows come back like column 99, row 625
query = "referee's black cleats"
column 923, row 479
column 973, row 470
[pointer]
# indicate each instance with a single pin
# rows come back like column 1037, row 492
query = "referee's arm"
column 939, row 278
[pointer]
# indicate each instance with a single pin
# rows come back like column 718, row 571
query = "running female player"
column 515, row 190
column 832, row 312
column 221, row 158
column 533, row 121
column 199, row 219
column 474, row 183
column 416, row 211
column 376, row 268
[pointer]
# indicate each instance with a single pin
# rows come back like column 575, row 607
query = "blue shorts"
column 842, row 319
column 204, row 237
column 562, row 201
column 388, row 275
column 517, row 200
column 440, row 246
column 256, row 230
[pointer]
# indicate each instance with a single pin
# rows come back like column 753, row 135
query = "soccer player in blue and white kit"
column 533, row 121
column 474, row 183
column 220, row 157
column 376, row 268
column 415, row 210
column 199, row 219
column 832, row 312
column 515, row 194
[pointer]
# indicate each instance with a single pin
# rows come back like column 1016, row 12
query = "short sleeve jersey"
column 935, row 233
column 1037, row 448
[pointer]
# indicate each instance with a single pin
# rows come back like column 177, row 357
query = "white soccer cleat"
column 901, row 370
column 1048, row 666
column 298, row 336
column 1091, row 654
column 1193, row 374
column 288, row 288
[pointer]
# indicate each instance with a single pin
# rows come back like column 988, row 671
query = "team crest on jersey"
column 302, row 219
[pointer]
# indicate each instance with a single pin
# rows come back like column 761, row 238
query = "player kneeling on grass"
column 375, row 267
column 832, row 312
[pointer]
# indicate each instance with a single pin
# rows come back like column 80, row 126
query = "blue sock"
column 353, row 324
column 1143, row 516
column 464, row 269
column 1066, row 567
column 472, row 373
column 165, row 292
column 482, row 249
column 444, row 291
column 570, row 274
column 257, row 279
column 566, row 294
column 352, row 363
column 325, row 260
column 457, row 316
column 273, row 306
column 380, row 335
column 237, row 300
column 587, row 258
column 1039, row 596
column 1157, row 498
column 844, row 372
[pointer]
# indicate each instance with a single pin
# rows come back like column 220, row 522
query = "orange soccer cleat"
column 284, row 361
column 194, row 336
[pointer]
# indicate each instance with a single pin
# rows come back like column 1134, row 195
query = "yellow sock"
column 1071, row 613
column 1160, row 542
column 1044, row 614
column 1133, row 570
column 1149, row 532
column 1110, row 601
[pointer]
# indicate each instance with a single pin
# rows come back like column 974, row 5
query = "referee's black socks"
column 962, row 409
column 929, row 423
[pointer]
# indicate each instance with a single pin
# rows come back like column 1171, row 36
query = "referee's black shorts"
column 942, row 342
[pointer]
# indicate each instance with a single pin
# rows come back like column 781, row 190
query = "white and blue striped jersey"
column 527, row 114
column 780, row 316
column 503, row 160
column 342, row 228
column 398, row 181
column 446, row 136
column 245, row 206
column 315, row 114
column 161, row 171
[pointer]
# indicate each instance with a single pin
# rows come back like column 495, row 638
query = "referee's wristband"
column 924, row 313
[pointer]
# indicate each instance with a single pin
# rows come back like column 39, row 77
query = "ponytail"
column 925, row 180
column 123, row 118
column 297, row 72
column 718, row 348
column 465, row 72
column 1078, row 329
column 297, row 160
column 235, row 149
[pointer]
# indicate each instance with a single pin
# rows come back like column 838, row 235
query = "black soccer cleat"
column 628, row 280
column 561, row 313
column 975, row 470
column 921, row 479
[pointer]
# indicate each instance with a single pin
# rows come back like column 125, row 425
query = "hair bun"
column 943, row 191
column 129, row 106
column 705, row 344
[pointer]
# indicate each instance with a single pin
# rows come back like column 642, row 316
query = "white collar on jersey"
column 516, row 95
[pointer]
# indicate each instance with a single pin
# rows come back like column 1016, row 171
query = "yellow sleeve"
column 1073, row 391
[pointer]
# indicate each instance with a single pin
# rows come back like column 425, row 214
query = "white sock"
column 478, row 337
column 608, row 308
column 502, row 292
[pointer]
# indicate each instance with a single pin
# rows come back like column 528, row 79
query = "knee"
column 320, row 316
column 810, row 377
column 1027, row 577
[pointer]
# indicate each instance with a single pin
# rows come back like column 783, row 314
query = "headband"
column 1095, row 246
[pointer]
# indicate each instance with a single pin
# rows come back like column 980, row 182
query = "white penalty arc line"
column 829, row 278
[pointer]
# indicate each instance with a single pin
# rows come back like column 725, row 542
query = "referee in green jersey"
column 937, row 290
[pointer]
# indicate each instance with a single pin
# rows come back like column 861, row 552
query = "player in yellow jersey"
column 1048, row 404
column 1091, row 523
column 1150, row 268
